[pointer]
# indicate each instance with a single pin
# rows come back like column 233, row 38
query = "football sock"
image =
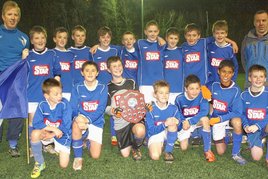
column 78, row 148
column 30, row 129
column 138, row 142
column 112, row 126
column 171, row 139
column 37, row 152
column 13, row 143
column 206, row 135
column 237, row 139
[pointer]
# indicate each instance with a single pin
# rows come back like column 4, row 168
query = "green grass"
column 190, row 164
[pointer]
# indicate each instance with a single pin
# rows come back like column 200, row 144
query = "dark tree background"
column 123, row 15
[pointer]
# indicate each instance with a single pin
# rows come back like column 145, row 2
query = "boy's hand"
column 148, row 107
column 214, row 120
column 253, row 128
column 25, row 53
column 117, row 112
column 246, row 129
column 82, row 122
column 206, row 93
column 186, row 125
column 58, row 133
column 161, row 41
column 93, row 49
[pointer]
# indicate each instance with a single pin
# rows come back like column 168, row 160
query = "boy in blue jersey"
column 255, row 110
column 43, row 64
column 151, row 60
column 173, row 64
column 162, row 123
column 194, row 110
column 130, row 136
column 81, row 51
column 66, row 59
column 130, row 56
column 227, row 108
column 220, row 50
column 52, row 123
column 103, row 52
column 88, row 101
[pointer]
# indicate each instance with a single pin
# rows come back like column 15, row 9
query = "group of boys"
column 80, row 85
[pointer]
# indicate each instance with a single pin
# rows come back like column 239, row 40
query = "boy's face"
column 220, row 36
column 11, row 18
column 172, row 40
column 79, row 38
column 54, row 96
column 60, row 40
column 257, row 79
column 90, row 73
column 116, row 69
column 39, row 41
column 226, row 73
column 128, row 41
column 152, row 32
column 162, row 95
column 192, row 37
column 105, row 40
column 193, row 90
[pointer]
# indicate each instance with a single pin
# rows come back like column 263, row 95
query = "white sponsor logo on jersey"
column 41, row 70
column 215, row 62
column 78, row 64
column 220, row 105
column 172, row 64
column 103, row 66
column 131, row 64
column 256, row 114
column 90, row 106
column 116, row 99
column 192, row 57
column 52, row 124
column 151, row 56
column 65, row 66
column 191, row 111
column 157, row 123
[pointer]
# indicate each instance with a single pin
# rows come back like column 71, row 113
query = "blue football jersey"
column 41, row 67
column 255, row 108
column 216, row 54
column 81, row 55
column 173, row 69
column 90, row 102
column 226, row 102
column 100, row 57
column 66, row 59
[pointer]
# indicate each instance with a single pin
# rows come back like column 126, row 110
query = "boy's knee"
column 35, row 136
column 155, row 156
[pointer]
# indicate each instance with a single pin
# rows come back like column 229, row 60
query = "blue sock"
column 138, row 142
column 13, row 143
column 37, row 152
column 206, row 135
column 171, row 139
column 78, row 148
column 30, row 129
column 112, row 126
column 237, row 139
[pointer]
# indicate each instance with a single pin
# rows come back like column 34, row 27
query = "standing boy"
column 81, row 51
column 227, row 108
column 220, row 50
column 255, row 109
column 162, row 123
column 43, row 64
column 66, row 59
column 151, row 60
column 88, row 101
column 173, row 64
column 194, row 110
column 130, row 136
column 52, row 123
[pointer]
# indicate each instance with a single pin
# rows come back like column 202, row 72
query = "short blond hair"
column 160, row 84
column 10, row 5
column 220, row 25
column 37, row 29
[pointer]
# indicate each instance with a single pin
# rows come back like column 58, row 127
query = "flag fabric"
column 13, row 91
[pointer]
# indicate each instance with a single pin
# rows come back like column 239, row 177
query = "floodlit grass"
column 190, row 164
